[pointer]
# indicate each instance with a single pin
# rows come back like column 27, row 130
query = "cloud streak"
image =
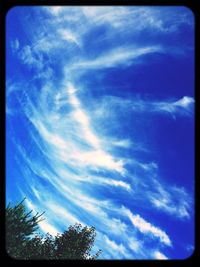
column 159, row 256
column 145, row 227
column 174, row 201
column 117, row 57
column 180, row 107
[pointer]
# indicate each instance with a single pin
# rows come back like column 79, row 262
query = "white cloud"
column 36, row 192
column 159, row 256
column 29, row 204
column 137, row 19
column 116, row 17
column 149, row 166
column 174, row 201
column 69, row 36
column 46, row 44
column 99, row 180
column 125, row 143
column 15, row 45
column 108, row 181
column 71, row 89
column 166, row 205
column 116, row 226
column 30, row 58
column 117, row 57
column 147, row 228
column 91, row 137
column 60, row 212
column 49, row 136
column 112, row 105
column 55, row 10
column 182, row 106
column 78, row 198
column 134, row 244
column 44, row 225
column 118, row 248
column 190, row 248
column 81, row 117
column 74, row 101
column 94, row 11
column 10, row 89
column 99, row 158
column 48, row 228
column 184, row 102
column 45, row 74
column 119, row 184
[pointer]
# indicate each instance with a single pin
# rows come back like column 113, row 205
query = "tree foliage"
column 23, row 242
column 20, row 225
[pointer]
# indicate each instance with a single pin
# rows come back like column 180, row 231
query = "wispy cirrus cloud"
column 68, row 36
column 123, row 17
column 15, row 45
column 30, row 58
column 118, row 248
column 140, row 17
column 180, row 107
column 124, row 143
column 147, row 228
column 117, row 57
column 183, row 106
column 174, row 201
column 55, row 10
column 46, row 44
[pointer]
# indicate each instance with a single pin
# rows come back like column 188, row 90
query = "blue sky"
column 100, row 124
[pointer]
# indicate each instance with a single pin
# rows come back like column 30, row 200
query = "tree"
column 20, row 225
column 76, row 243
column 22, row 241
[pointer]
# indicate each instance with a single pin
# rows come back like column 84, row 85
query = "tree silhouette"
column 76, row 243
column 20, row 225
column 22, row 241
